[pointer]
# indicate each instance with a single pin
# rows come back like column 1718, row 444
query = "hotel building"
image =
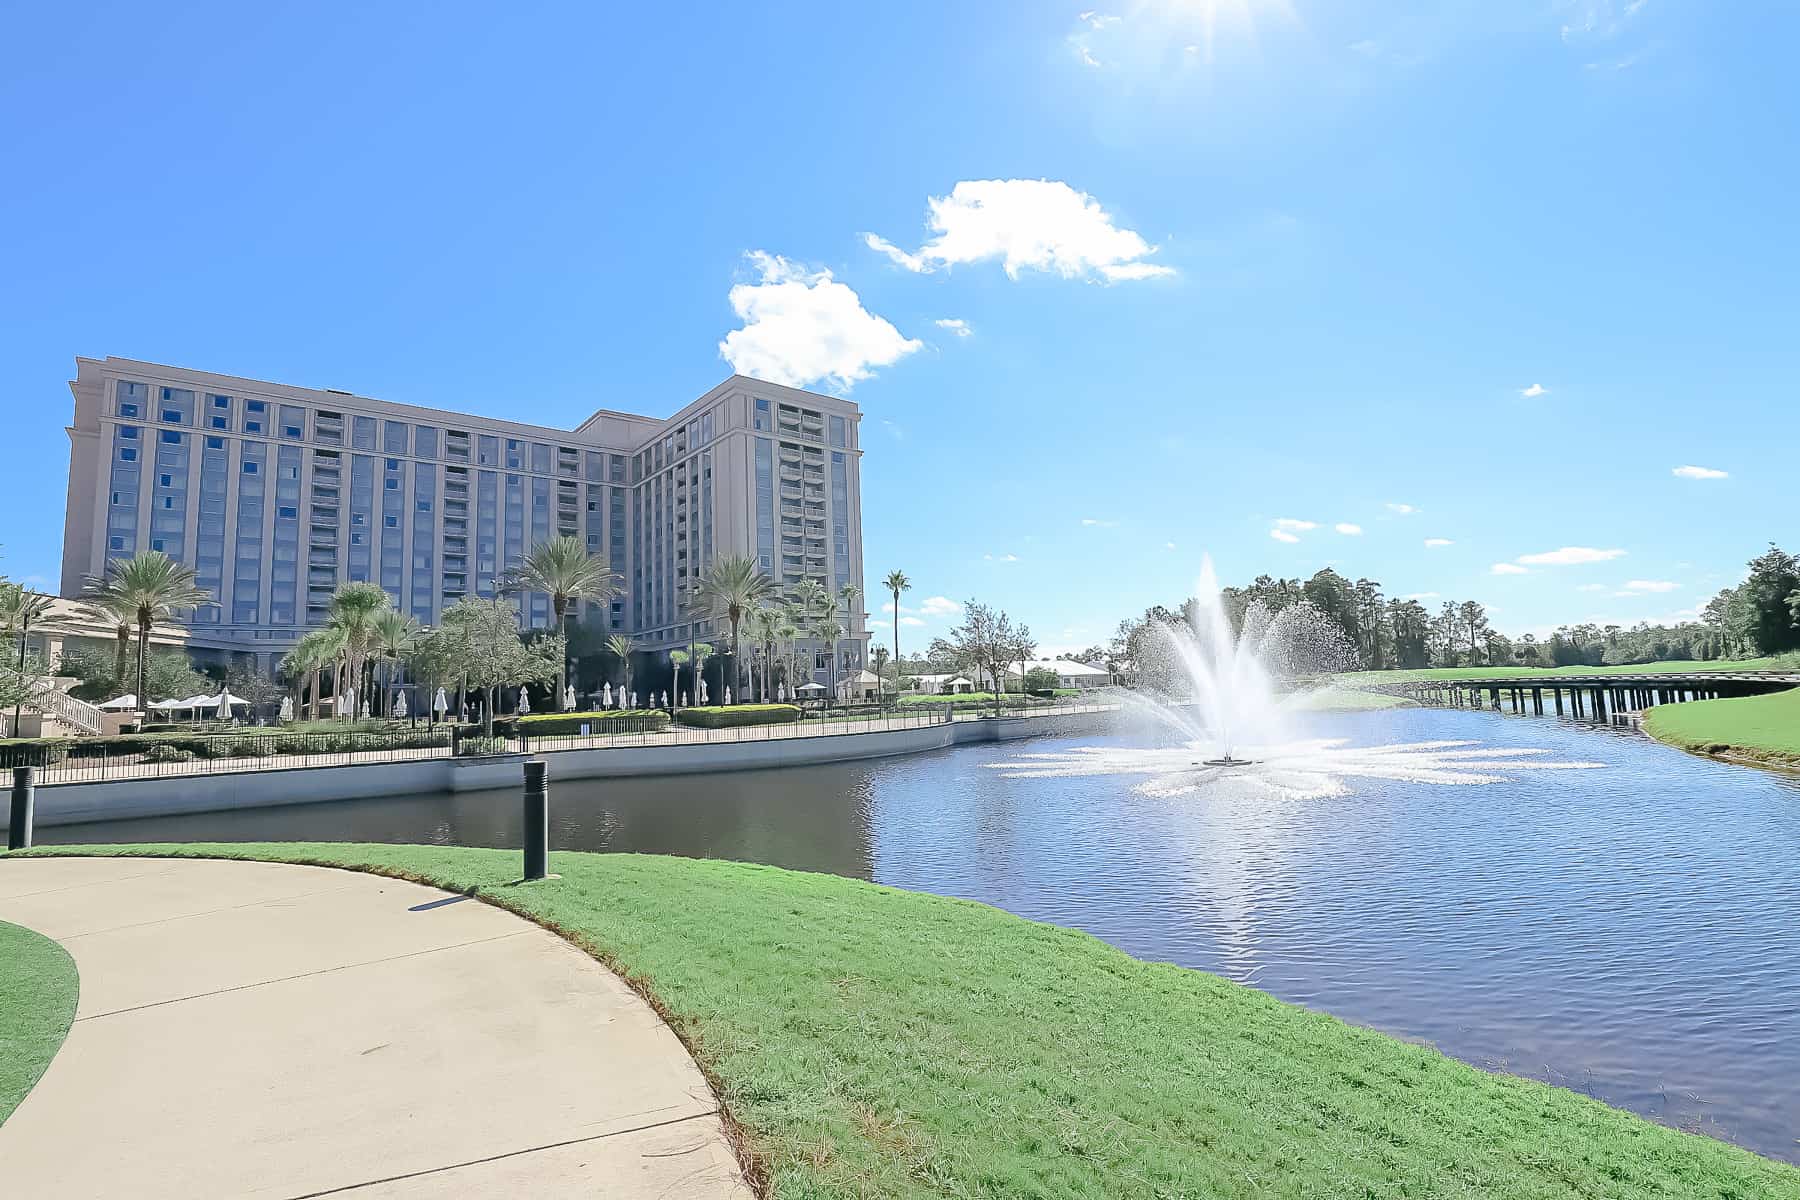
column 276, row 495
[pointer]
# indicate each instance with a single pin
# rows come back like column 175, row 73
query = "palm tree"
column 396, row 633
column 304, row 663
column 897, row 582
column 19, row 607
column 730, row 589
column 765, row 624
column 153, row 587
column 789, row 633
column 880, row 658
column 621, row 646
column 110, row 610
column 355, row 608
column 563, row 568
column 847, row 596
column 676, row 659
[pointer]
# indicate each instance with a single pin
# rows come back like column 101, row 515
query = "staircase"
column 76, row 716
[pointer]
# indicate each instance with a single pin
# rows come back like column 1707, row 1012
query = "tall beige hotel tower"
column 276, row 495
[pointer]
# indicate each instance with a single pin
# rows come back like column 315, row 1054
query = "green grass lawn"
column 878, row 1043
column 1342, row 699
column 37, row 1003
column 1762, row 727
column 1776, row 663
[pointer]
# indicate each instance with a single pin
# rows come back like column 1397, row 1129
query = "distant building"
column 276, row 495
column 1069, row 674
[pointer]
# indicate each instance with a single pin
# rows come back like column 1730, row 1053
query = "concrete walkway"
column 260, row 1030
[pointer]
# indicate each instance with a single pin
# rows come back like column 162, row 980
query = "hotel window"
column 293, row 423
column 130, row 397
column 250, row 468
column 171, row 438
column 837, row 431
column 127, row 453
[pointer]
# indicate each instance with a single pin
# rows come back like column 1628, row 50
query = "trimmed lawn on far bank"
column 1787, row 662
column 37, row 1002
column 1760, row 727
column 872, row 1042
column 1339, row 699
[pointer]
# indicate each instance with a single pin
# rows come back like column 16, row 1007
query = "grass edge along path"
column 1760, row 729
column 38, row 990
column 872, row 1042
column 1780, row 662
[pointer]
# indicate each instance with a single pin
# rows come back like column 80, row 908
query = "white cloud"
column 1700, row 473
column 1640, row 586
column 1028, row 224
column 1434, row 543
column 1570, row 556
column 912, row 621
column 1004, row 558
column 955, row 325
column 1170, row 545
column 1405, row 510
column 1534, row 391
column 1097, row 523
column 940, row 606
column 1591, row 587
column 802, row 327
column 1347, row 528
column 1507, row 569
column 1294, row 524
column 1282, row 535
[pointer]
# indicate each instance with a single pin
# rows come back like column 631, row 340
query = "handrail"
column 77, row 714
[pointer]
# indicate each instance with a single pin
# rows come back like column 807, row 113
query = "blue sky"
column 1483, row 273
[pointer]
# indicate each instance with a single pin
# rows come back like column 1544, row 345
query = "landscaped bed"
column 1762, row 728
column 877, row 1043
column 38, row 989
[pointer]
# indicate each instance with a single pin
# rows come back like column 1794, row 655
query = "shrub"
column 253, row 747
column 738, row 714
column 32, row 752
column 485, row 745
column 166, row 753
column 625, row 720
column 1040, row 679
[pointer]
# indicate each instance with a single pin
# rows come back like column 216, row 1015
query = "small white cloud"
column 1404, row 510
column 1004, row 558
column 940, row 606
column 1169, row 545
column 955, row 325
column 803, row 327
column 1282, row 535
column 1534, row 391
column 1346, row 528
column 1507, row 569
column 1029, row 225
column 1434, row 543
column 1640, row 586
column 1700, row 473
column 1097, row 523
column 913, row 621
column 1294, row 524
column 1570, row 556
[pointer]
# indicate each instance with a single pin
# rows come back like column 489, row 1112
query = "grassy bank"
column 1776, row 663
column 1764, row 728
column 37, row 1003
column 878, row 1043
column 1338, row 699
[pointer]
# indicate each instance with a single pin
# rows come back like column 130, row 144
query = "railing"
column 76, row 714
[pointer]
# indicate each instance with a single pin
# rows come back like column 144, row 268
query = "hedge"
column 738, row 714
column 624, row 720
column 248, row 743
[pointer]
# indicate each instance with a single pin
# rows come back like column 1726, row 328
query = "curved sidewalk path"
column 262, row 1030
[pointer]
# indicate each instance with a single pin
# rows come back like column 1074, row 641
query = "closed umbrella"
column 524, row 702
column 400, row 705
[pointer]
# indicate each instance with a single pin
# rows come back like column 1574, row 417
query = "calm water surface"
column 1632, row 933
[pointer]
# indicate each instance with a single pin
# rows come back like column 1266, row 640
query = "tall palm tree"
column 154, row 587
column 765, row 625
column 563, row 568
column 730, row 589
column 110, row 610
column 303, row 665
column 621, row 646
column 788, row 631
column 676, row 659
column 20, row 608
column 354, row 609
column 897, row 582
column 396, row 633
column 847, row 596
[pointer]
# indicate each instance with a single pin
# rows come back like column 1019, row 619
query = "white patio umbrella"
column 126, row 703
column 705, row 692
column 524, row 702
column 810, row 687
column 400, row 705
column 440, row 703
column 287, row 708
column 606, row 694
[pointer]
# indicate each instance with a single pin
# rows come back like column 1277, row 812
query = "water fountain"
column 1231, row 687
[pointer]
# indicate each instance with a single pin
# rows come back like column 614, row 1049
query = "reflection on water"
column 1628, row 932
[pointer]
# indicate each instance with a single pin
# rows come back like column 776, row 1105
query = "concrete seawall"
column 78, row 803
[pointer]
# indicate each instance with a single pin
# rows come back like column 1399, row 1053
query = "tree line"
column 1758, row 617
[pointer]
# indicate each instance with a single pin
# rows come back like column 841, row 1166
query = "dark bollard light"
column 537, row 819
column 24, row 800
